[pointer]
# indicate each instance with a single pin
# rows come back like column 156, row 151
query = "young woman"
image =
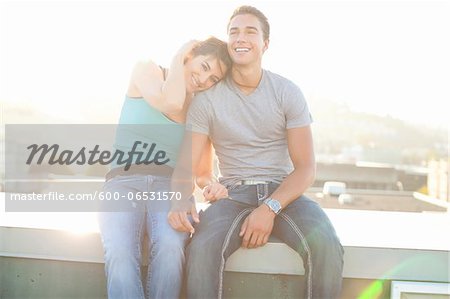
column 153, row 114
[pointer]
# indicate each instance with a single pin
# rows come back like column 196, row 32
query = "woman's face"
column 203, row 71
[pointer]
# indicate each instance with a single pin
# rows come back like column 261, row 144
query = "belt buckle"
column 254, row 182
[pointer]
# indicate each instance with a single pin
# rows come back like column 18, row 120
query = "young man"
column 259, row 124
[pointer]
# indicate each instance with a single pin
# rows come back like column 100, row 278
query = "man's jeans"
column 122, row 235
column 302, row 225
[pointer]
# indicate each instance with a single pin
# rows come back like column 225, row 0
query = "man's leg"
column 304, row 226
column 216, row 238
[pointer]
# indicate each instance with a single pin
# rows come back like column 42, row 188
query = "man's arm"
column 301, row 152
column 258, row 226
column 205, row 178
column 204, row 171
column 182, row 181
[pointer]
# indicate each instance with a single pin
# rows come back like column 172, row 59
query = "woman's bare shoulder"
column 147, row 67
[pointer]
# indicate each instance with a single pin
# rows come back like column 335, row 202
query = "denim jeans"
column 122, row 235
column 302, row 225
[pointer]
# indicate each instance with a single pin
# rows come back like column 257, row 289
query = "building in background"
column 372, row 176
column 438, row 180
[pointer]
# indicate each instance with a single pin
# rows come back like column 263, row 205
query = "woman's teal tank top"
column 149, row 131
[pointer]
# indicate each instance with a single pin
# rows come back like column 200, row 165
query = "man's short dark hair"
column 250, row 10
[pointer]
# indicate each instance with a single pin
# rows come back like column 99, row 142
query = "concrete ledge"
column 377, row 252
column 359, row 262
column 261, row 260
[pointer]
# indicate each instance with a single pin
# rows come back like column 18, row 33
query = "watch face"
column 274, row 205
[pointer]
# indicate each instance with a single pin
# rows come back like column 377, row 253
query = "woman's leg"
column 121, row 236
column 166, row 246
column 166, row 257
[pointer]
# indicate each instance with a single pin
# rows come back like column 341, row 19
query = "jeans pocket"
column 240, row 189
column 161, row 183
column 244, row 194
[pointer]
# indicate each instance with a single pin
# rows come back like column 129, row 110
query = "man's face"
column 246, row 43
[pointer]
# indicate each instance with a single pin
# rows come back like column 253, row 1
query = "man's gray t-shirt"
column 249, row 131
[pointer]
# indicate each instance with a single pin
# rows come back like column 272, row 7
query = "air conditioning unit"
column 419, row 290
column 334, row 188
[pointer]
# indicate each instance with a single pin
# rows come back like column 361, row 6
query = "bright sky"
column 73, row 59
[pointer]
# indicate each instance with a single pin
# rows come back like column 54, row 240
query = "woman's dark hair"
column 215, row 47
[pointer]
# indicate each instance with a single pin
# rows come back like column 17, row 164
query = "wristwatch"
column 273, row 204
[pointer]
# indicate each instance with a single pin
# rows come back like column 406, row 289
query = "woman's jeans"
column 122, row 234
column 302, row 225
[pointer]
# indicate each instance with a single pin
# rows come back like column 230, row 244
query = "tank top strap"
column 164, row 71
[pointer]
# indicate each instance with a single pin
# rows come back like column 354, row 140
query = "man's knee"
column 198, row 248
column 326, row 252
column 204, row 253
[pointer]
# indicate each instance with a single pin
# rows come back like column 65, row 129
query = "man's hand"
column 257, row 227
column 215, row 191
column 179, row 221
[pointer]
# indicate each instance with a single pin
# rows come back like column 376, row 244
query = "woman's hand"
column 186, row 49
column 215, row 191
column 179, row 221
